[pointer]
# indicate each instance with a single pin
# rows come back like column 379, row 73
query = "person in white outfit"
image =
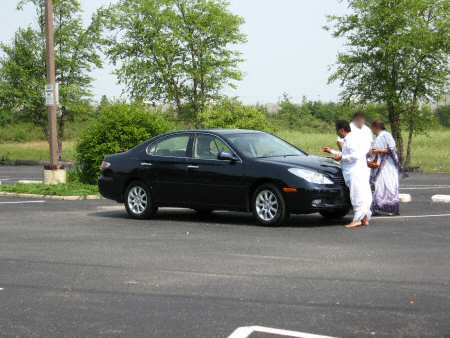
column 358, row 127
column 353, row 158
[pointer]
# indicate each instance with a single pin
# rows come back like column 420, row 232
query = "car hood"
column 317, row 163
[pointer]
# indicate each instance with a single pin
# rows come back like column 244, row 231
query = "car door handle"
column 146, row 164
column 193, row 167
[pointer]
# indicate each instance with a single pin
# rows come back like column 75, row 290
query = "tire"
column 334, row 214
column 268, row 206
column 138, row 201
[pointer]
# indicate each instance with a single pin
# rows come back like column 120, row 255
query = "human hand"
column 326, row 150
column 377, row 151
column 338, row 158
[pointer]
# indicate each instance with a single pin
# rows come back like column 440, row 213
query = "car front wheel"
column 138, row 201
column 269, row 207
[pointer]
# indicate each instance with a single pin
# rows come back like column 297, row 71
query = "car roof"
column 221, row 131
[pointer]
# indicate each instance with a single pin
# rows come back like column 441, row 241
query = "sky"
column 288, row 51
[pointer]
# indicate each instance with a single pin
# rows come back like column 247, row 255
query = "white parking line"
column 417, row 216
column 22, row 202
column 111, row 208
column 425, row 187
column 246, row 331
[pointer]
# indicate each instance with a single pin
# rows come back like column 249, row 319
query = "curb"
column 29, row 182
column 440, row 198
column 52, row 197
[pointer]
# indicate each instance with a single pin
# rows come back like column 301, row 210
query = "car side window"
column 174, row 146
column 208, row 147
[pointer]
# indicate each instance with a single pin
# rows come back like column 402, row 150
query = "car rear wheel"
column 138, row 201
column 335, row 214
column 269, row 207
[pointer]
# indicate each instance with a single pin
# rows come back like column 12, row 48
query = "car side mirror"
column 226, row 156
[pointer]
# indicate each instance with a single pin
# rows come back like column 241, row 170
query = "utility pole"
column 51, row 93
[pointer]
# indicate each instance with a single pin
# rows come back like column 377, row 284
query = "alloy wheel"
column 267, row 205
column 138, row 200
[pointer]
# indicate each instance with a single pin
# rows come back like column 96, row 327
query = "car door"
column 215, row 183
column 166, row 168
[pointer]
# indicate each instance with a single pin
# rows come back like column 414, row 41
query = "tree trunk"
column 409, row 147
column 396, row 128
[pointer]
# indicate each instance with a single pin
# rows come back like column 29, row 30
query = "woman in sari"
column 385, row 172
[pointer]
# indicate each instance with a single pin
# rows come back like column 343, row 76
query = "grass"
column 69, row 189
column 36, row 151
column 430, row 152
column 28, row 132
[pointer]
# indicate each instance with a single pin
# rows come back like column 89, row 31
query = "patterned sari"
column 385, row 178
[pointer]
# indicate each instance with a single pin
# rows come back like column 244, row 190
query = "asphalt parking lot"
column 83, row 269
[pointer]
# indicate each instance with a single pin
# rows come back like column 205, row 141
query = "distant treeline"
column 319, row 115
column 307, row 115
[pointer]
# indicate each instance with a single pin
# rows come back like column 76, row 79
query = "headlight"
column 311, row 176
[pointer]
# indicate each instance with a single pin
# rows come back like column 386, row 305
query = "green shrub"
column 318, row 115
column 5, row 116
column 119, row 127
column 231, row 113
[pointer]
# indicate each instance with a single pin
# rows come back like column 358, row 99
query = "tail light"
column 105, row 165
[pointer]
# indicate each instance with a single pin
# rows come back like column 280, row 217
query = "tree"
column 417, row 121
column 22, row 77
column 443, row 114
column 174, row 51
column 231, row 113
column 397, row 53
column 23, row 69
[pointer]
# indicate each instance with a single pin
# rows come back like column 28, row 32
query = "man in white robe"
column 358, row 127
column 356, row 174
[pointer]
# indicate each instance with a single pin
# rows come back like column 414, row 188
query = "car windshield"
column 259, row 145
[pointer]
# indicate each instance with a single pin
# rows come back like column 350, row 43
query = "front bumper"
column 318, row 198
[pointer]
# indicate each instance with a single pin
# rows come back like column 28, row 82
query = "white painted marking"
column 275, row 257
column 405, row 198
column 441, row 198
column 425, row 187
column 242, row 332
column 111, row 208
column 246, row 331
column 22, row 202
column 418, row 216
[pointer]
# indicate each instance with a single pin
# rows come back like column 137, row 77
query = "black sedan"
column 242, row 170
